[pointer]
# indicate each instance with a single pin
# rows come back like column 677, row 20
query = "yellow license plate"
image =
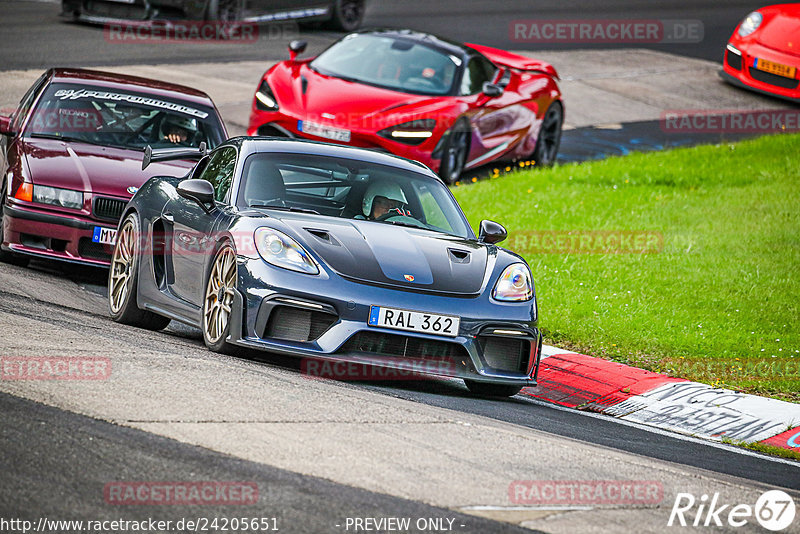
column 776, row 68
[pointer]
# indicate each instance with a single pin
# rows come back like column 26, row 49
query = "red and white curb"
column 588, row 383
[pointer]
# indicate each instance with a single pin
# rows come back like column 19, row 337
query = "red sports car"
column 73, row 158
column 451, row 106
column 763, row 54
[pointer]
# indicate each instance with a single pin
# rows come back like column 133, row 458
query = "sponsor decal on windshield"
column 75, row 94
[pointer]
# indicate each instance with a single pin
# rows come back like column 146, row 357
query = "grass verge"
column 716, row 301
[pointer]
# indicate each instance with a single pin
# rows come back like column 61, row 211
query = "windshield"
column 122, row 118
column 392, row 63
column 350, row 189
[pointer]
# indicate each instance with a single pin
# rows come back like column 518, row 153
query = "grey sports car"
column 330, row 253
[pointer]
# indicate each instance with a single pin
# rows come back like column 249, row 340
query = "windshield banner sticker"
column 74, row 94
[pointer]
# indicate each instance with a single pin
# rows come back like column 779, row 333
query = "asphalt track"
column 55, row 462
column 33, row 36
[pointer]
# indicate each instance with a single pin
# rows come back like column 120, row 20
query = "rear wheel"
column 218, row 301
column 225, row 10
column 492, row 390
column 456, row 150
column 544, row 155
column 5, row 255
column 123, row 279
column 347, row 15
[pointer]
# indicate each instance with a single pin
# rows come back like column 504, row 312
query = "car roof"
column 440, row 43
column 303, row 146
column 112, row 80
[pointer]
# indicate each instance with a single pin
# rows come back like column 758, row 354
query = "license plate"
column 320, row 130
column 414, row 321
column 775, row 68
column 104, row 236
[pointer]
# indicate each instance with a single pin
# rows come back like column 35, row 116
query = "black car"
column 330, row 253
column 343, row 15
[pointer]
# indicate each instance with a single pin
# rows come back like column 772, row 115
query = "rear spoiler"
column 167, row 154
column 514, row 61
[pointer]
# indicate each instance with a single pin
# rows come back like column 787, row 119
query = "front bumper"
column 739, row 69
column 39, row 232
column 477, row 353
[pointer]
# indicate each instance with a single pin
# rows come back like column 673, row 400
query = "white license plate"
column 321, row 130
column 414, row 321
column 105, row 236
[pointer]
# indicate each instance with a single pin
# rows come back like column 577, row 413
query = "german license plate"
column 414, row 321
column 104, row 236
column 320, row 130
column 775, row 68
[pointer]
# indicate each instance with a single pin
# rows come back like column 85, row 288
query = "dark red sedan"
column 73, row 158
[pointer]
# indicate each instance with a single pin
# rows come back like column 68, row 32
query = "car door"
column 494, row 120
column 192, row 225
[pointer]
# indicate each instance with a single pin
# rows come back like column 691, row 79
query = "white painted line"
column 524, row 508
column 549, row 350
column 661, row 432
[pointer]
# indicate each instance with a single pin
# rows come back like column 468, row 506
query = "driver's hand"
column 174, row 138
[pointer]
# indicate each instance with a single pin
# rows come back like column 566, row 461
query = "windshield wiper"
column 420, row 226
column 284, row 208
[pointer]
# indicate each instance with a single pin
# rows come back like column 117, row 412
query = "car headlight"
column 750, row 23
column 514, row 284
column 66, row 198
column 265, row 98
column 280, row 250
column 411, row 132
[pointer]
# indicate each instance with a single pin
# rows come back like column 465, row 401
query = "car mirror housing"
column 492, row 90
column 201, row 191
column 5, row 125
column 295, row 48
column 491, row 232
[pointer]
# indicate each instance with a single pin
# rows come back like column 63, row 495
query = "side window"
column 477, row 71
column 219, row 171
column 26, row 103
column 431, row 209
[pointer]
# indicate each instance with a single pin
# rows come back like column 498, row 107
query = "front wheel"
column 218, row 301
column 456, row 150
column 544, row 155
column 492, row 390
column 347, row 15
column 123, row 279
column 225, row 10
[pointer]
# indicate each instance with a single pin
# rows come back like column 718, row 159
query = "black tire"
column 123, row 280
column 455, row 152
column 7, row 256
column 546, row 151
column 225, row 10
column 492, row 390
column 214, row 339
column 347, row 15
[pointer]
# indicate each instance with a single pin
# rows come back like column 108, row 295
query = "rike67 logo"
column 774, row 510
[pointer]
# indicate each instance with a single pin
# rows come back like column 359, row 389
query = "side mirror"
column 492, row 90
column 491, row 232
column 295, row 48
column 5, row 125
column 200, row 191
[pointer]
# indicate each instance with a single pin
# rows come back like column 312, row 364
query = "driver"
column 178, row 129
column 382, row 198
